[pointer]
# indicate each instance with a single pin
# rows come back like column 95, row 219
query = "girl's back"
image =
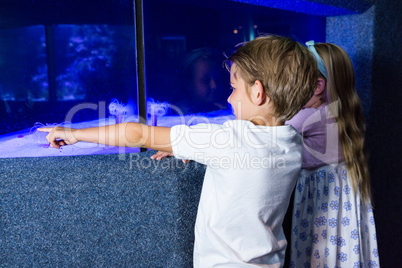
column 333, row 222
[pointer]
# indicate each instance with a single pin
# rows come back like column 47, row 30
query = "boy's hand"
column 160, row 154
column 59, row 136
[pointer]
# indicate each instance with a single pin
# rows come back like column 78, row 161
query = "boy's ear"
column 320, row 87
column 259, row 95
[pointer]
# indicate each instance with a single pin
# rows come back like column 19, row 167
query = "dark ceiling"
column 18, row 13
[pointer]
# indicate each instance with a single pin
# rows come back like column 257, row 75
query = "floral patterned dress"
column 331, row 227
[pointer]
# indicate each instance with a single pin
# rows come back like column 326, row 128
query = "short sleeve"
column 200, row 142
column 303, row 121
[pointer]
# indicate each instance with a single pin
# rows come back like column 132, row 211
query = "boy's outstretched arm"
column 124, row 135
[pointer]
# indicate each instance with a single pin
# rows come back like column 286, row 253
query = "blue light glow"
column 306, row 7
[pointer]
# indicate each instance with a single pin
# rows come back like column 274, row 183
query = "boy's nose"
column 229, row 98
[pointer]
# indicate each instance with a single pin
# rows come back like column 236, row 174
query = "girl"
column 333, row 222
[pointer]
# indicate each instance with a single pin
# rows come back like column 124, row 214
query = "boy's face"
column 239, row 99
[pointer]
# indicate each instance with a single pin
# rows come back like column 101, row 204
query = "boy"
column 252, row 162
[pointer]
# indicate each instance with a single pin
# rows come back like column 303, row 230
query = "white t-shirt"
column 251, row 172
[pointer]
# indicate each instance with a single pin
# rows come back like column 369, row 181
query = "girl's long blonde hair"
column 349, row 114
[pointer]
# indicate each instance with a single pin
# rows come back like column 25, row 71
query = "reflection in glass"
column 186, row 43
column 23, row 75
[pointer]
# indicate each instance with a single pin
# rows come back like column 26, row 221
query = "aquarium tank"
column 75, row 63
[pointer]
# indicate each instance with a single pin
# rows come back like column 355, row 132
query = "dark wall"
column 384, row 130
column 373, row 40
column 355, row 34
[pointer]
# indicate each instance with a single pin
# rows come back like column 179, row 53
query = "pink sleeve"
column 298, row 121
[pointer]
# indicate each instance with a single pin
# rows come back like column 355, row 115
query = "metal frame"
column 140, row 60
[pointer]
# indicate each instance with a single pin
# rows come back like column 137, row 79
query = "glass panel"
column 95, row 85
column 23, row 75
column 186, row 42
column 94, row 64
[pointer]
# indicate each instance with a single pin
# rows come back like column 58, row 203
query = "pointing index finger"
column 45, row 129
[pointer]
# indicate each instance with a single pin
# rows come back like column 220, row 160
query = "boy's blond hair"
column 286, row 69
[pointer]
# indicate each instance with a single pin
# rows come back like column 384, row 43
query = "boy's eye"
column 232, row 88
